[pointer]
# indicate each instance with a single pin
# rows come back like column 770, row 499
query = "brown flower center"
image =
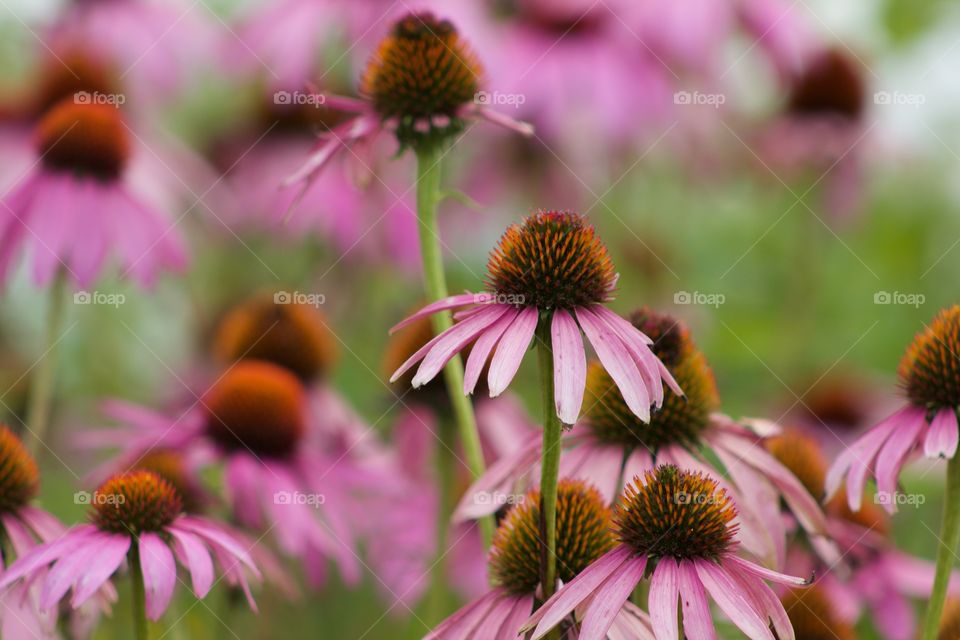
column 930, row 369
column 801, row 454
column 830, row 85
column 812, row 616
column 19, row 477
column 169, row 465
column 85, row 139
column 135, row 502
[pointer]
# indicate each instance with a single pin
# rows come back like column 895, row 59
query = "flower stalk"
column 138, row 595
column 41, row 386
column 949, row 540
column 550, row 463
column 428, row 196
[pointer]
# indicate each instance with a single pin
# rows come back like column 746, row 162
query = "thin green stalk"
column 446, row 477
column 949, row 540
column 138, row 595
column 42, row 385
column 550, row 463
column 428, row 195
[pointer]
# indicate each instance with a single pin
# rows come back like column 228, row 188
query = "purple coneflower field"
column 479, row 320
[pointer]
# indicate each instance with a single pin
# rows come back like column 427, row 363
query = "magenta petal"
column 697, row 621
column 941, row 440
column 101, row 564
column 45, row 554
column 664, row 589
column 450, row 302
column 731, row 599
column 610, row 598
column 515, row 618
column 451, row 341
column 576, row 591
column 67, row 570
column 194, row 555
column 617, row 361
column 481, row 350
column 460, row 625
column 766, row 574
column 509, row 354
column 569, row 366
column 159, row 573
column 215, row 536
column 765, row 601
column 498, row 477
column 892, row 456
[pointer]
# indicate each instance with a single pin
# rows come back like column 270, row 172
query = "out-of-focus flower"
column 78, row 207
column 813, row 617
column 550, row 269
column 610, row 445
column 583, row 536
column 679, row 523
column 928, row 374
column 135, row 515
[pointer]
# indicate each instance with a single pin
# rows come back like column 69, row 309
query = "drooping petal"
column 159, row 573
column 194, row 556
column 697, row 621
column 460, row 625
column 664, row 589
column 515, row 618
column 892, row 456
column 941, row 440
column 45, row 554
column 451, row 341
column 499, row 477
column 509, row 354
column 481, row 350
column 569, row 366
column 450, row 302
column 68, row 569
column 732, row 601
column 766, row 574
column 215, row 536
column 102, row 563
column 610, row 598
column 765, row 601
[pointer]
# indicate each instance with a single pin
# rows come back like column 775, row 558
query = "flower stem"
column 138, row 595
column 428, row 194
column 949, row 540
column 42, row 384
column 446, row 501
column 550, row 463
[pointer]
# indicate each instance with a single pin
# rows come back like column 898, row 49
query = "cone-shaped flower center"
column 553, row 260
column 676, row 513
column 583, row 535
column 19, row 477
column 830, row 85
column 257, row 406
column 930, row 369
column 681, row 420
column 421, row 71
column 169, row 465
column 71, row 73
column 86, row 139
column 812, row 615
column 801, row 454
column 135, row 502
column 293, row 336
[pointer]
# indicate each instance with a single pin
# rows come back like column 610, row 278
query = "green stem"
column 428, row 193
column 949, row 540
column 41, row 386
column 550, row 463
column 139, row 600
column 446, row 476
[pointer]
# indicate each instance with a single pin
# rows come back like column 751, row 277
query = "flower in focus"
column 420, row 84
column 929, row 376
column 135, row 515
column 583, row 536
column 610, row 444
column 76, row 209
column 678, row 526
column 551, row 271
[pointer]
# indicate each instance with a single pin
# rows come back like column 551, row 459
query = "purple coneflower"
column 551, row 271
column 135, row 517
column 677, row 526
column 583, row 536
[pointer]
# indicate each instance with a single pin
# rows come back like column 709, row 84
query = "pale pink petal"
column 194, row 555
column 341, row 136
column 697, row 621
column 45, row 554
column 766, row 602
column 664, row 589
column 610, row 597
column 766, row 574
column 569, row 366
column 577, row 590
column 509, row 354
column 892, row 456
column 493, row 116
column 515, row 618
column 618, row 363
column 481, row 350
column 159, row 573
column 499, row 477
column 450, row 302
column 212, row 534
column 631, row 623
column 461, row 624
column 68, row 569
column 101, row 564
column 732, row 601
column 451, row 341
column 941, row 440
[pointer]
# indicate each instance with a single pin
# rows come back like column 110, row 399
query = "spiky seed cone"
column 19, row 476
column 86, row 139
column 930, row 368
column 135, row 502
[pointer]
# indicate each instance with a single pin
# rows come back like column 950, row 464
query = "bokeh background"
column 781, row 175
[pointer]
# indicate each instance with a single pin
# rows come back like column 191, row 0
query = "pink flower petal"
column 68, row 569
column 509, row 354
column 101, row 564
column 159, row 573
column 569, row 366
column 764, row 600
column 731, row 599
column 481, row 350
column 617, row 361
column 697, row 621
column 610, row 597
column 891, row 458
column 450, row 302
column 766, row 574
column 460, row 625
column 212, row 534
column 451, row 341
column 941, row 440
column 515, row 618
column 664, row 589
column 499, row 477
column 46, row 553
column 194, row 555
